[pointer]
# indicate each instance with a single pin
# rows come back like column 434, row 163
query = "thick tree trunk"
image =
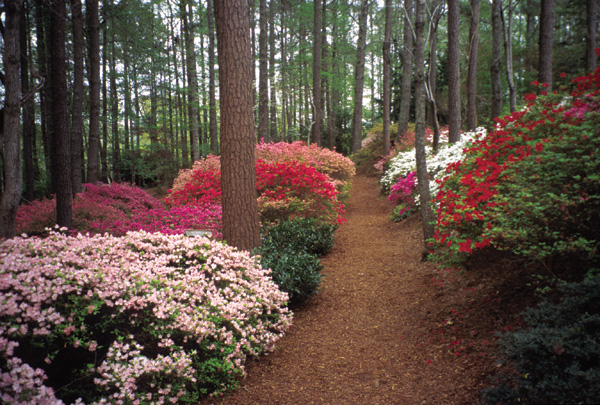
column 317, row 128
column 407, row 68
column 496, row 65
column 386, row 76
column 454, row 106
column 359, row 76
column 10, row 148
column 77, row 110
column 422, row 175
column 238, row 177
column 591, row 40
column 29, row 159
column 546, row 35
column 60, row 138
column 472, row 70
column 93, row 29
column 263, row 74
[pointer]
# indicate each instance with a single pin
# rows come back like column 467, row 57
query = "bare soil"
column 385, row 327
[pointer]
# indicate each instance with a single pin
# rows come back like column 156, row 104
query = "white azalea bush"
column 403, row 164
column 145, row 318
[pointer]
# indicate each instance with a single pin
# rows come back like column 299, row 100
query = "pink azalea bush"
column 146, row 318
column 118, row 209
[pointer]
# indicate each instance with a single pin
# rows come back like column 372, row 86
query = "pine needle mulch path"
column 366, row 337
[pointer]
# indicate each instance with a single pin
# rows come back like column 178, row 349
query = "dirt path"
column 366, row 337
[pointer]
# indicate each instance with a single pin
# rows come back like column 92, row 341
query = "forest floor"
column 385, row 327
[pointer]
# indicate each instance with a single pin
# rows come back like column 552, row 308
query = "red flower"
column 530, row 97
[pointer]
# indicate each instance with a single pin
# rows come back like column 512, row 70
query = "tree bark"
column 496, row 65
column 273, row 135
column 114, row 107
column 263, row 74
column 591, row 41
column 359, row 76
column 93, row 28
column 422, row 175
column 29, row 159
column 546, row 35
column 188, row 24
column 508, row 56
column 60, row 137
column 386, row 76
column 77, row 109
column 212, row 101
column 238, row 176
column 472, row 69
column 10, row 146
column 407, row 68
column 317, row 128
column 454, row 110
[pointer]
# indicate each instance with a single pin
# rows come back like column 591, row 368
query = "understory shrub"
column 556, row 359
column 532, row 186
column 146, row 318
column 117, row 209
column 291, row 249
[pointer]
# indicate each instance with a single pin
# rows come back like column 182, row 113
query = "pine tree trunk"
column 273, row 135
column 9, row 146
column 28, row 109
column 77, row 109
column 546, row 39
column 317, row 128
column 238, row 177
column 359, row 76
column 496, row 65
column 422, row 175
column 472, row 69
column 591, row 40
column 508, row 58
column 386, row 76
column 407, row 68
column 93, row 155
column 212, row 101
column 263, row 75
column 454, row 105
column 61, row 154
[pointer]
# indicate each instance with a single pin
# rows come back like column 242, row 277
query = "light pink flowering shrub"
column 146, row 317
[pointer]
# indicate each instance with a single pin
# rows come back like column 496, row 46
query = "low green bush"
column 556, row 358
column 291, row 249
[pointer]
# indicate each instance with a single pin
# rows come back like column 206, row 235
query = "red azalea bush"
column 531, row 187
column 284, row 190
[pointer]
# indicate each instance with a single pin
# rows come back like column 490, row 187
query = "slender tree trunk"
column 104, row 148
column 496, row 65
column 212, row 101
column 507, row 31
column 42, row 37
column 188, row 23
column 77, row 111
column 407, row 68
column 317, row 128
column 10, row 145
column 263, row 75
column 359, row 76
column 454, row 106
column 386, row 76
column 114, row 102
column 546, row 39
column 430, row 80
column 238, row 177
column 28, row 108
column 591, row 41
column 60, row 137
column 273, row 135
column 93, row 29
column 422, row 175
column 472, row 69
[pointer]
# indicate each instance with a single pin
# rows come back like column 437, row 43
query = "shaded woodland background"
column 141, row 95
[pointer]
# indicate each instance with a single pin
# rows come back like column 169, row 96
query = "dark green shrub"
column 290, row 250
column 557, row 358
column 301, row 235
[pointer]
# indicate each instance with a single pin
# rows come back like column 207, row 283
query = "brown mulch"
column 385, row 327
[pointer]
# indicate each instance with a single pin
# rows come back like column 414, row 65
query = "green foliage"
column 556, row 358
column 290, row 250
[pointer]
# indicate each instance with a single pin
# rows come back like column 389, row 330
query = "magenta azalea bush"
column 117, row 209
column 144, row 318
